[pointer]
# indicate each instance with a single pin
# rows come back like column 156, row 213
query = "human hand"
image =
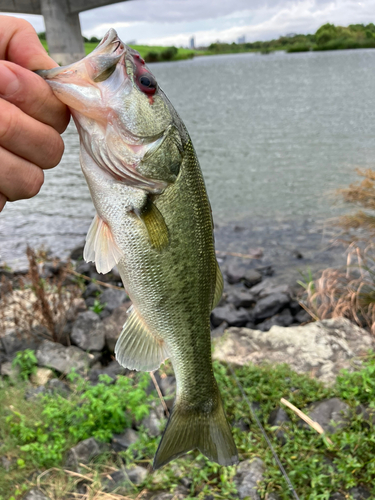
column 31, row 117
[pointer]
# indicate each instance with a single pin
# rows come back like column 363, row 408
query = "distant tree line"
column 327, row 37
column 93, row 39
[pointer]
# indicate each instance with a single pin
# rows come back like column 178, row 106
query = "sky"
column 174, row 22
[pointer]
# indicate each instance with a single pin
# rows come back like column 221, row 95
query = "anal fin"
column 137, row 348
column 100, row 246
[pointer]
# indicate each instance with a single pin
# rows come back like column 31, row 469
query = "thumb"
column 20, row 44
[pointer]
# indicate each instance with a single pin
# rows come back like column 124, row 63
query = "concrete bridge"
column 61, row 17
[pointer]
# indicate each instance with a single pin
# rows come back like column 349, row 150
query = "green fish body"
column 154, row 222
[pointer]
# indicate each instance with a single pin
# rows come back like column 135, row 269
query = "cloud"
column 173, row 22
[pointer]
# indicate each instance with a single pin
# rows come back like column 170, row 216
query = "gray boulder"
column 249, row 473
column 87, row 332
column 35, row 494
column 112, row 325
column 332, row 414
column 61, row 358
column 83, row 453
column 125, row 478
column 234, row 317
column 284, row 318
column 121, row 442
column 241, row 298
column 323, row 348
column 270, row 305
column 252, row 277
column 153, row 424
column 14, row 340
column 112, row 298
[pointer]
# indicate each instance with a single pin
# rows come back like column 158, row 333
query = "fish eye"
column 105, row 74
column 147, row 84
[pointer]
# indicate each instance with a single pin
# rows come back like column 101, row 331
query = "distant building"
column 192, row 42
column 241, row 39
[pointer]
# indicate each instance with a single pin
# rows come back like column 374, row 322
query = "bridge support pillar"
column 63, row 32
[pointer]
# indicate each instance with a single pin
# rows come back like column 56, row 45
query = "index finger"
column 20, row 44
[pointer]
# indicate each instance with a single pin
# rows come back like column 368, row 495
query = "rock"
column 112, row 298
column 270, row 305
column 78, row 306
column 322, row 348
column 112, row 326
column 235, row 273
column 61, row 358
column 77, row 252
column 87, row 332
column 56, row 386
column 168, row 385
column 163, row 496
column 113, row 370
column 251, row 278
column 219, row 330
column 136, row 474
column 83, row 452
column 83, row 268
column 33, row 392
column 8, row 370
column 303, row 317
column 234, row 317
column 92, row 290
column 367, row 414
column 121, row 442
column 332, row 414
column 42, row 376
column 5, row 463
column 249, row 473
column 278, row 416
column 152, row 424
column 241, row 298
column 35, row 494
column 269, row 287
column 359, row 493
column 284, row 318
column 14, row 341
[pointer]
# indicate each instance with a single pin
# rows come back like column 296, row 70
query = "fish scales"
column 154, row 222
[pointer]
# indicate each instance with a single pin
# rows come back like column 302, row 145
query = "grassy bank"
column 149, row 53
column 35, row 435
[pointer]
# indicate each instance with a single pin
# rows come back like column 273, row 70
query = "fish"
column 154, row 222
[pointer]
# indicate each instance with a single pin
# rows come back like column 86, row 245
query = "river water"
column 275, row 134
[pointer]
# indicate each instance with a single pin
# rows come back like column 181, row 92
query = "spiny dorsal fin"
column 155, row 224
column 100, row 246
column 219, row 287
column 137, row 348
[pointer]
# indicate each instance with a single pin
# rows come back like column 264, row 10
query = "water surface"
column 275, row 134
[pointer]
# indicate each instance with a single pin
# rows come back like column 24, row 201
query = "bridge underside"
column 61, row 17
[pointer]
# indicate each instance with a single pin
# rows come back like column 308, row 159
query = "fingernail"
column 9, row 83
column 3, row 200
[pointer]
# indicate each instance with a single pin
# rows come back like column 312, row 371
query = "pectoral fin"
column 100, row 246
column 155, row 225
column 219, row 287
column 137, row 348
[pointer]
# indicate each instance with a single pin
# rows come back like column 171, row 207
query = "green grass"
column 36, row 434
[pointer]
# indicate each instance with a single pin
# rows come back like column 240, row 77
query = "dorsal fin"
column 100, row 246
column 219, row 287
column 137, row 348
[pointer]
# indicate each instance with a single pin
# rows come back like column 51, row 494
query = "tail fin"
column 187, row 430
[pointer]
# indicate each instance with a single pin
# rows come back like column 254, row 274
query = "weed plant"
column 35, row 435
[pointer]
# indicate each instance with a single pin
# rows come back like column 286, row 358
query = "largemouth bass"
column 154, row 222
